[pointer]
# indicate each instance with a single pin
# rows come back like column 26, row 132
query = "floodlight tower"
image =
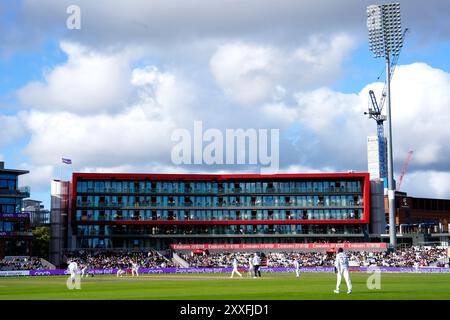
column 386, row 40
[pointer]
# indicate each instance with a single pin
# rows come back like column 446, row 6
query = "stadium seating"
column 101, row 259
column 423, row 256
column 114, row 259
column 21, row 263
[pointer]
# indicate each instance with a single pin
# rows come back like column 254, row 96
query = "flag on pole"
column 66, row 161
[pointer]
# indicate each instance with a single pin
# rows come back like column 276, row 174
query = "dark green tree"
column 41, row 242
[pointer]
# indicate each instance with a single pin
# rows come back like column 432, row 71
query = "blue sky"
column 110, row 95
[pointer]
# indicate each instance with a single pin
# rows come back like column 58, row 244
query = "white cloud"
column 420, row 103
column 250, row 74
column 137, row 133
column 332, row 128
column 427, row 183
column 168, row 22
column 92, row 130
column 321, row 58
column 88, row 82
column 162, row 94
column 295, row 168
column 11, row 129
column 145, row 168
column 39, row 177
column 245, row 72
column 279, row 114
column 101, row 139
column 327, row 111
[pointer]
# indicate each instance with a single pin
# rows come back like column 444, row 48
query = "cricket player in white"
column 83, row 270
column 250, row 267
column 134, row 269
column 73, row 270
column 297, row 267
column 235, row 269
column 341, row 268
column 120, row 272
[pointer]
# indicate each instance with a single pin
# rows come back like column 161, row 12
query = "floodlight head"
column 385, row 30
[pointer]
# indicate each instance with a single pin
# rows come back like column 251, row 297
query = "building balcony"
column 5, row 193
column 268, row 191
column 158, row 206
column 223, row 235
column 14, row 234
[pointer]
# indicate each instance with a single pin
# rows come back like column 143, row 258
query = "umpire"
column 256, row 264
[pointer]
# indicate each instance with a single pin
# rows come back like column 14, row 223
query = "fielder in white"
column 416, row 267
column 250, row 267
column 341, row 269
column 83, row 271
column 134, row 269
column 120, row 272
column 235, row 269
column 73, row 270
column 297, row 267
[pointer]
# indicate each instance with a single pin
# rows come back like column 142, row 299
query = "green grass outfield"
column 271, row 286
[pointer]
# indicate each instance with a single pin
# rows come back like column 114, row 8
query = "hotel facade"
column 158, row 210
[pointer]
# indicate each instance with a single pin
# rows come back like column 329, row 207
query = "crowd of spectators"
column 216, row 260
column 21, row 263
column 122, row 260
column 410, row 257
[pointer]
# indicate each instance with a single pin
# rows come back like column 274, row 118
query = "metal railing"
column 341, row 190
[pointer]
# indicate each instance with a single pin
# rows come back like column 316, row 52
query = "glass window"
column 99, row 186
column 309, row 201
column 345, row 214
column 332, row 186
column 119, row 186
column 338, row 201
column 275, row 215
column 81, row 186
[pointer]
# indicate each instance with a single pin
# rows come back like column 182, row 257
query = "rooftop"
column 11, row 171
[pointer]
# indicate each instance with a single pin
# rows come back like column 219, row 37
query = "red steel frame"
column 222, row 177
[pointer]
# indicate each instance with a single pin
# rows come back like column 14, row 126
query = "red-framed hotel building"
column 117, row 210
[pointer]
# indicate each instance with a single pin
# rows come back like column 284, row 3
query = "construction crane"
column 404, row 168
column 375, row 113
